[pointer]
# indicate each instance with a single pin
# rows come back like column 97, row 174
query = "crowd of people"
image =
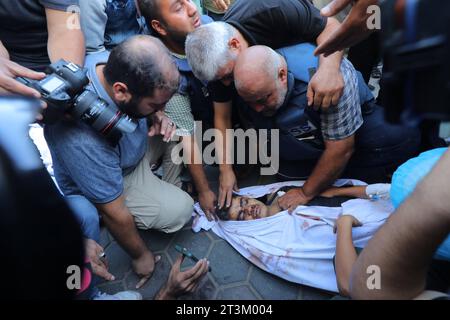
column 248, row 64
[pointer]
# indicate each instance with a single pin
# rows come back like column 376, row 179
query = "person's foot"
column 122, row 295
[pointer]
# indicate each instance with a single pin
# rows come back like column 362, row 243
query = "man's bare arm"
column 222, row 122
column 330, row 166
column 120, row 223
column 207, row 198
column 353, row 29
column 345, row 252
column 326, row 86
column 354, row 192
column 404, row 246
column 335, row 58
column 65, row 39
column 190, row 146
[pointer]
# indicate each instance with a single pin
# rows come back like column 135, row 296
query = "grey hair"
column 274, row 62
column 207, row 49
column 268, row 67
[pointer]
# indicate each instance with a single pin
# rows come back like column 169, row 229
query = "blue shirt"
column 106, row 23
column 123, row 22
column 86, row 163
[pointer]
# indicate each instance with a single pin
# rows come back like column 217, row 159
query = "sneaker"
column 376, row 73
column 122, row 295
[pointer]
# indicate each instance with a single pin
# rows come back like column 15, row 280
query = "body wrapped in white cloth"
column 300, row 247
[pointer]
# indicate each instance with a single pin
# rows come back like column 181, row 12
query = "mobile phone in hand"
column 188, row 254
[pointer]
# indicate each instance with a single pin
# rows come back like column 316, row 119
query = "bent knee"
column 180, row 212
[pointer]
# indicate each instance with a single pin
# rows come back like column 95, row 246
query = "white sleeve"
column 379, row 191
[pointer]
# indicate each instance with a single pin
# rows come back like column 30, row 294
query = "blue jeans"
column 87, row 216
column 122, row 22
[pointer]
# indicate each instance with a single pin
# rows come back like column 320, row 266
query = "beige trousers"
column 154, row 203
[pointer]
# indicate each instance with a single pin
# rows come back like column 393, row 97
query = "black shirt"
column 23, row 30
column 276, row 23
column 273, row 23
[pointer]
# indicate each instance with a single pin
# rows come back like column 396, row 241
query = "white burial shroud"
column 298, row 247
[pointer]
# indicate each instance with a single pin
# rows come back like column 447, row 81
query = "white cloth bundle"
column 298, row 247
column 36, row 134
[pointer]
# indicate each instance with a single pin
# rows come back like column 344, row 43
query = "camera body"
column 416, row 75
column 64, row 91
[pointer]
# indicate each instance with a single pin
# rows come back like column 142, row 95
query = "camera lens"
column 106, row 119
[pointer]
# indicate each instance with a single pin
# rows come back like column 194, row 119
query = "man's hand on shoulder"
column 325, row 88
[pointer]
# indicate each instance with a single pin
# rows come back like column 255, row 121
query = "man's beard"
column 131, row 108
column 177, row 36
column 282, row 92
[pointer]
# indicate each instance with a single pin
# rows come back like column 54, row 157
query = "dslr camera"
column 64, row 91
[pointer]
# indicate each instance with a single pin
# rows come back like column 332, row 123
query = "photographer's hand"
column 162, row 125
column 9, row 71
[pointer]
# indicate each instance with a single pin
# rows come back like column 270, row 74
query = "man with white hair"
column 213, row 49
column 318, row 144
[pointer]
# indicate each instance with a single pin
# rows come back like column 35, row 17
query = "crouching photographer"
column 102, row 154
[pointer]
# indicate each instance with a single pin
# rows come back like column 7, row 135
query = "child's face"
column 243, row 208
